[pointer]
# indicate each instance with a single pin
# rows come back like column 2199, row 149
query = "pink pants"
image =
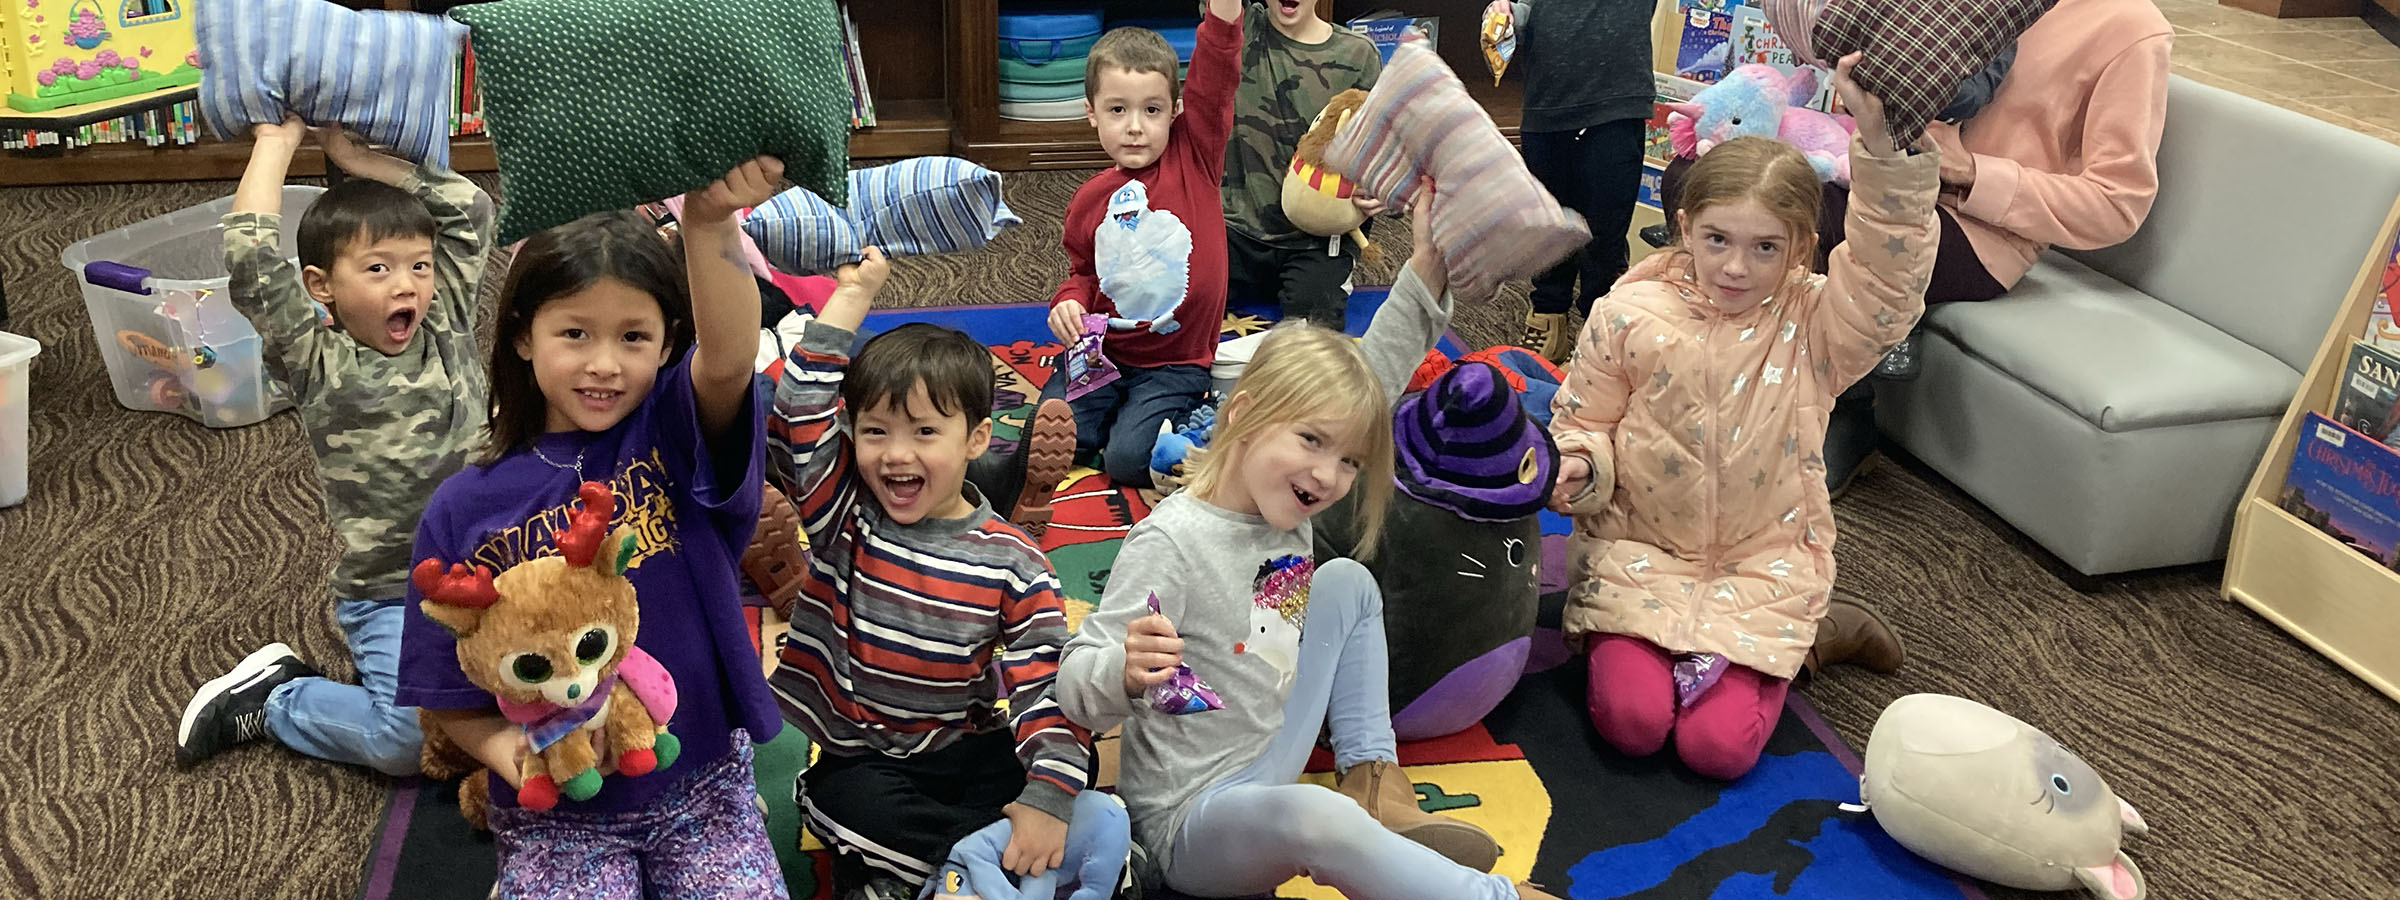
column 1631, row 697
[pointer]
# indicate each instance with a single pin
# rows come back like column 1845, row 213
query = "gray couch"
column 2114, row 404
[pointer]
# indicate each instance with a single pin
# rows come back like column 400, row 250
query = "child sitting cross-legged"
column 915, row 586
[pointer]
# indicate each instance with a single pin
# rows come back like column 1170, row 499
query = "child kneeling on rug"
column 1220, row 577
column 615, row 362
column 915, row 584
column 1691, row 425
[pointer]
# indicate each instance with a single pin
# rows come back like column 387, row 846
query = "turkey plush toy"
column 1315, row 198
column 1757, row 100
column 552, row 640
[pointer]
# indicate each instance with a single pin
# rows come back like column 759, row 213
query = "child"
column 613, row 363
column 1216, row 810
column 1588, row 92
column 914, row 586
column 390, row 393
column 1690, row 429
column 1146, row 239
column 1292, row 63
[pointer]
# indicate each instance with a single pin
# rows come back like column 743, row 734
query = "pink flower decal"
column 192, row 58
column 63, row 66
column 145, row 53
column 88, row 69
column 45, row 77
column 106, row 58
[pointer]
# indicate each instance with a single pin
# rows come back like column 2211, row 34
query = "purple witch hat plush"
column 1467, row 446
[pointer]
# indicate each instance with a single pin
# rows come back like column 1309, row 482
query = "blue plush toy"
column 1175, row 445
column 1094, row 858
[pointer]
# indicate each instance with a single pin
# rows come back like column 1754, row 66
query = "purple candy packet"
column 1695, row 673
column 1183, row 693
column 1088, row 367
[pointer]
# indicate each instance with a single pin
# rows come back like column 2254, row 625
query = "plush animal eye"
column 1516, row 552
column 1737, row 120
column 592, row 646
column 530, row 668
column 2059, row 783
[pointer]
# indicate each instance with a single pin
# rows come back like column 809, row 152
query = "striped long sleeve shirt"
column 893, row 638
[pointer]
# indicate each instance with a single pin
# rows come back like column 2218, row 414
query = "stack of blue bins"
column 1042, row 53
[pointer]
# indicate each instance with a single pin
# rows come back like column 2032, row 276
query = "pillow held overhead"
column 385, row 75
column 1491, row 219
column 931, row 204
column 597, row 105
column 1914, row 56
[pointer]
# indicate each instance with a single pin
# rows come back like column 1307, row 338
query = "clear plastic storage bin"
column 166, row 327
column 16, row 362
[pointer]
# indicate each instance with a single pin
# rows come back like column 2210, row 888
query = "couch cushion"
column 2113, row 355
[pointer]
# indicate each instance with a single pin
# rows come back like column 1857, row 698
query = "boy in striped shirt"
column 914, row 588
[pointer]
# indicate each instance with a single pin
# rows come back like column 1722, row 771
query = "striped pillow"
column 385, row 75
column 932, row 204
column 1491, row 220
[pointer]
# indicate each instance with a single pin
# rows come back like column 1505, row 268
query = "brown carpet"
column 153, row 553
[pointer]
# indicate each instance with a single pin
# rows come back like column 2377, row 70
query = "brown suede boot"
column 1851, row 632
column 1546, row 334
column 1387, row 794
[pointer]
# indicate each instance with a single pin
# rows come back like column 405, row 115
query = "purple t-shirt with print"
column 692, row 529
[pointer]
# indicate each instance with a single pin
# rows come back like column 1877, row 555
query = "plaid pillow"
column 598, row 105
column 932, row 204
column 385, row 75
column 1491, row 219
column 1917, row 51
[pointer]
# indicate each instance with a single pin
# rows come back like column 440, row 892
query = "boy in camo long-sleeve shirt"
column 1292, row 63
column 390, row 390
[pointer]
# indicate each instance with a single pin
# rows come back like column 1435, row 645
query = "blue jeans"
column 1120, row 419
column 354, row 723
column 1256, row 829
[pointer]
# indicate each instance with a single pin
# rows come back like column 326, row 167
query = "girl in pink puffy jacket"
column 1691, row 426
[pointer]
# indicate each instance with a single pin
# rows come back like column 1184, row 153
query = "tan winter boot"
column 1384, row 789
column 1546, row 334
column 1853, row 633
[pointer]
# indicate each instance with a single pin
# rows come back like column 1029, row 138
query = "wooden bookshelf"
column 2331, row 597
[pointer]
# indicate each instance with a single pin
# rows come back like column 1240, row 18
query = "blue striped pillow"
column 385, row 75
column 931, row 204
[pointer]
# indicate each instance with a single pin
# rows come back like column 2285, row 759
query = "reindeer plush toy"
column 552, row 640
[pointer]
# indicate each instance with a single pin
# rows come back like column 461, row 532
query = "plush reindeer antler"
column 456, row 587
column 587, row 526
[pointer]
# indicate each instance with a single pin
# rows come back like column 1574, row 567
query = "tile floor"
column 2338, row 70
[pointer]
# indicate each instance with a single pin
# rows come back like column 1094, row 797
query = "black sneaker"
column 881, row 887
column 1657, row 235
column 232, row 708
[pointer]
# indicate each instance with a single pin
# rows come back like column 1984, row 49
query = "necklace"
column 577, row 468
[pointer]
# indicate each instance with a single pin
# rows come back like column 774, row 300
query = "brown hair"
column 1767, row 170
column 1306, row 372
column 1135, row 50
column 559, row 262
column 955, row 369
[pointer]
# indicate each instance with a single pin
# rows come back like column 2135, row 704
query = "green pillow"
column 598, row 105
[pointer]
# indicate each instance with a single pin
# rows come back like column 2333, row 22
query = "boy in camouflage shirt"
column 390, row 391
column 1292, row 63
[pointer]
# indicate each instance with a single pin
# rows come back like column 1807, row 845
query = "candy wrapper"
column 1499, row 37
column 1695, row 673
column 1087, row 367
column 1183, row 693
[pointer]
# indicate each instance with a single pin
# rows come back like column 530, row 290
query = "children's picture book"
column 2347, row 485
column 2368, row 398
column 2380, row 328
column 1388, row 32
column 1706, row 52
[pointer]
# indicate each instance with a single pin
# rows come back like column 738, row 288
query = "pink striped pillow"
column 1491, row 220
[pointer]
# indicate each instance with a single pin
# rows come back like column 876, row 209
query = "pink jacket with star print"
column 1708, row 528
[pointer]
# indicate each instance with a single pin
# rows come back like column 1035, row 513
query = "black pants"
column 1958, row 274
column 1304, row 283
column 1595, row 172
column 898, row 817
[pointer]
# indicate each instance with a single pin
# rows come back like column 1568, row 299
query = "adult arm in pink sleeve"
column 2105, row 202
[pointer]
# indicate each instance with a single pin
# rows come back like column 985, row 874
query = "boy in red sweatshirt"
column 1146, row 238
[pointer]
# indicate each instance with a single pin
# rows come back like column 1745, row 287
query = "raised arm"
column 808, row 457
column 1874, row 287
column 724, row 294
column 262, row 282
column 1412, row 319
column 1207, row 117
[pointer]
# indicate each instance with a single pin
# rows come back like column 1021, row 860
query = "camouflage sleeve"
column 463, row 212
column 266, row 290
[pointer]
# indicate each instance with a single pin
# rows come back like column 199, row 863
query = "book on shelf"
column 2347, row 485
column 172, row 124
column 1706, row 52
column 2381, row 330
column 2367, row 399
column 854, row 66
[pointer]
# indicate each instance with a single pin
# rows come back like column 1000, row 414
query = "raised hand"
column 748, row 184
column 1864, row 107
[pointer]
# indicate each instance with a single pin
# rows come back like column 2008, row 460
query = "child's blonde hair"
column 1306, row 373
column 1774, row 173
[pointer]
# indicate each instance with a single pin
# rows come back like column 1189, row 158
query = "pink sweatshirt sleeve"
column 2103, row 203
